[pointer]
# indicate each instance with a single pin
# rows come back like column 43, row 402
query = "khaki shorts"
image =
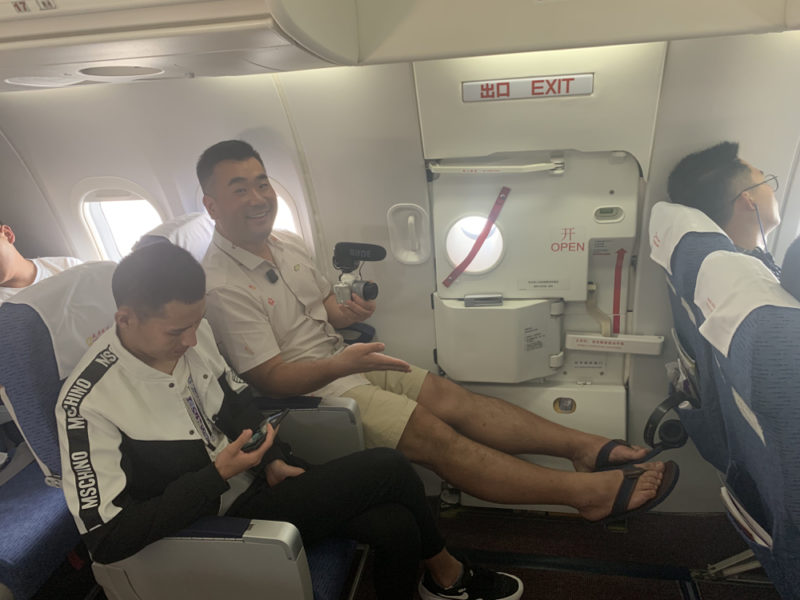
column 387, row 404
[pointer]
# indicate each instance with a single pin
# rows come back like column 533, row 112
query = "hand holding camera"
column 347, row 257
column 349, row 285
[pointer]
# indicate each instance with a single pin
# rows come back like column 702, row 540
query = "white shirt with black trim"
column 136, row 465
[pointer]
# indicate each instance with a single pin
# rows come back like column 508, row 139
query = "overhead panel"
column 391, row 30
column 60, row 39
column 589, row 99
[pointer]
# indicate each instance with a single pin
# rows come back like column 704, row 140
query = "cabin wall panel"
column 26, row 211
column 359, row 130
column 741, row 88
column 150, row 133
column 618, row 115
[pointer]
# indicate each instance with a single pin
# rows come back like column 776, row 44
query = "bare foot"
column 586, row 457
column 600, row 498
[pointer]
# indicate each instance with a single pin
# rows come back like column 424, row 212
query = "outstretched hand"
column 361, row 358
column 232, row 461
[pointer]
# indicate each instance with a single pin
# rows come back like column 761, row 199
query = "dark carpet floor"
column 650, row 557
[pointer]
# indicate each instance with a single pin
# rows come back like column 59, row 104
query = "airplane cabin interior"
column 512, row 159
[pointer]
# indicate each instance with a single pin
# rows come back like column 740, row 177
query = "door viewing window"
column 461, row 238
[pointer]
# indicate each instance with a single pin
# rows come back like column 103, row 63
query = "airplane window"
column 117, row 219
column 461, row 238
column 285, row 219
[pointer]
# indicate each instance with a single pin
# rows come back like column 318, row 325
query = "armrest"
column 217, row 557
column 320, row 434
column 266, row 403
column 319, row 429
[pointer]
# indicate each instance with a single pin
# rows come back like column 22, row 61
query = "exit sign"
column 548, row 86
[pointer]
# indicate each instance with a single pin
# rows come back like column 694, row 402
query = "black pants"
column 373, row 496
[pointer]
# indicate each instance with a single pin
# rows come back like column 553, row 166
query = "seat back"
column 56, row 317
column 744, row 333
column 192, row 232
column 790, row 277
column 754, row 325
column 49, row 326
column 680, row 239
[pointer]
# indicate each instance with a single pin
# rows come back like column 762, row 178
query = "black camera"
column 347, row 257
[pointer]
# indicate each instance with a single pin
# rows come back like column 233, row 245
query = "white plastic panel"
column 392, row 30
column 618, row 115
column 509, row 343
column 269, row 556
column 409, row 233
column 599, row 409
column 549, row 223
column 54, row 41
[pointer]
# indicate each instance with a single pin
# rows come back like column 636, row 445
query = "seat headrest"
column 731, row 285
column 192, row 232
column 669, row 222
column 76, row 305
column 790, row 270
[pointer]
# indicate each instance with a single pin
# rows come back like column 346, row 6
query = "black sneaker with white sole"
column 476, row 583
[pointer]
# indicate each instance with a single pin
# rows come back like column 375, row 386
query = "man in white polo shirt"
column 18, row 272
column 275, row 318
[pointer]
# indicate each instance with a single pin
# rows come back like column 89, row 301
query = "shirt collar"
column 245, row 257
column 130, row 362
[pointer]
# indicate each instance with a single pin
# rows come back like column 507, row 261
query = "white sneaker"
column 476, row 583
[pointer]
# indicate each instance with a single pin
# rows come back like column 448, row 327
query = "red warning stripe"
column 617, row 288
column 498, row 206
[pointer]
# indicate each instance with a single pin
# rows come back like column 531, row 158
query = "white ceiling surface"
column 619, row 115
column 741, row 88
column 236, row 37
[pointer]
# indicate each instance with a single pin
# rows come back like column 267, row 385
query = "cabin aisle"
column 559, row 557
column 564, row 558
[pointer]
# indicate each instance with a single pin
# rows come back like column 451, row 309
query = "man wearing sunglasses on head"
column 736, row 195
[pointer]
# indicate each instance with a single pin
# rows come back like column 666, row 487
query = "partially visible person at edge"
column 736, row 195
column 18, row 272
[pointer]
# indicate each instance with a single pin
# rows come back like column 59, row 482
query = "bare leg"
column 511, row 429
column 498, row 477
